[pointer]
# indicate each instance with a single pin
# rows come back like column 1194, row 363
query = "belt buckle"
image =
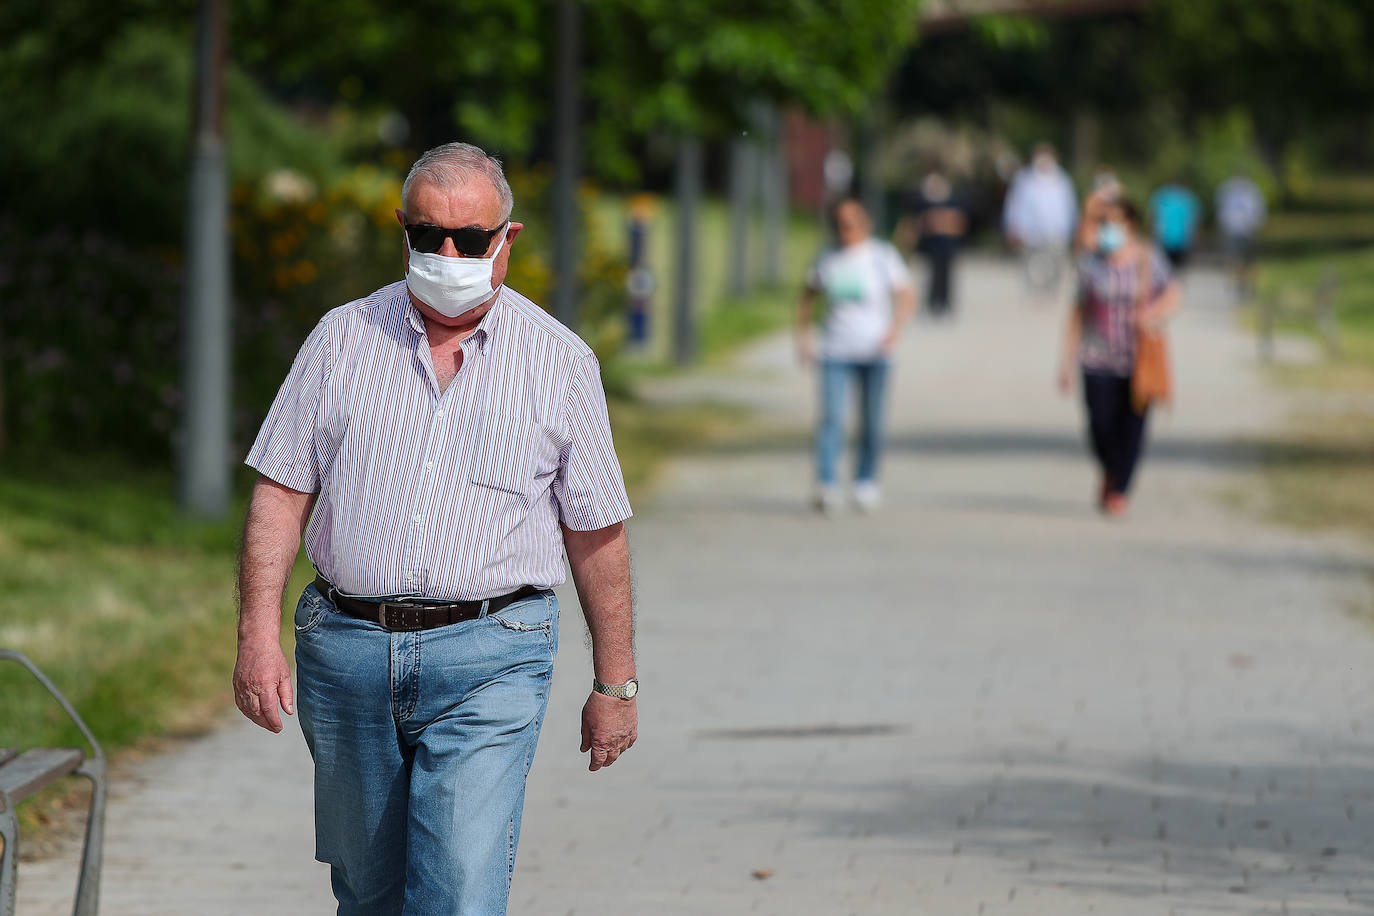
column 400, row 608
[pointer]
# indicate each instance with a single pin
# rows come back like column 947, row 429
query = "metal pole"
column 742, row 157
column 773, row 181
column 566, row 165
column 206, row 369
column 870, row 182
column 689, row 181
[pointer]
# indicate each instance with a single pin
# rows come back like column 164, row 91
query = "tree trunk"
column 566, row 128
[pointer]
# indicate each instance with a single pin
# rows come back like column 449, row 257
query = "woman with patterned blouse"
column 1124, row 285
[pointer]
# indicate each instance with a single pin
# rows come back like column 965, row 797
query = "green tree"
column 1281, row 58
column 483, row 70
column 697, row 68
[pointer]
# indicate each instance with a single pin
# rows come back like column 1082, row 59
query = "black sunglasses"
column 471, row 241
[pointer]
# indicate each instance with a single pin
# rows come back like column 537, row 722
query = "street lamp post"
column 206, row 357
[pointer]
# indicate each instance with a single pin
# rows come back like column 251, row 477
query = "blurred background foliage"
column 95, row 105
column 328, row 103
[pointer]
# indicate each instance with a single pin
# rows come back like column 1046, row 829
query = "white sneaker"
column 828, row 499
column 867, row 497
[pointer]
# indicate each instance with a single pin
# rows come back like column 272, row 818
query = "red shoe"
column 1115, row 504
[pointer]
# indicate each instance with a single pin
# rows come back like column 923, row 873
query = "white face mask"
column 451, row 286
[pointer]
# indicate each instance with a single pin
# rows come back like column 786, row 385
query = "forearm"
column 1085, row 234
column 806, row 306
column 1072, row 331
column 271, row 540
column 1166, row 304
column 905, row 308
column 600, row 563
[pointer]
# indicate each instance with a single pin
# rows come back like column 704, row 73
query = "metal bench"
column 23, row 774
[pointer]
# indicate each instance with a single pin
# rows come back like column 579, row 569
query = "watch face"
column 631, row 689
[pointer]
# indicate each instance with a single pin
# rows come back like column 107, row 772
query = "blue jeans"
column 871, row 378
column 422, row 743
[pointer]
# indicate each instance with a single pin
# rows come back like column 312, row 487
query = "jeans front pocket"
column 310, row 610
column 538, row 614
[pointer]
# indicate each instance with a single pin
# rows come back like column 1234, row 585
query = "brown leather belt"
column 409, row 616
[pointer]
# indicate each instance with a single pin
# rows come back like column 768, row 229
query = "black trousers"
column 939, row 251
column 938, row 294
column 1116, row 431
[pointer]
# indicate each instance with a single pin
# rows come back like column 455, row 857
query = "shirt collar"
column 485, row 327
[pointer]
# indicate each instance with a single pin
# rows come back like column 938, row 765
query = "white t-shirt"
column 858, row 283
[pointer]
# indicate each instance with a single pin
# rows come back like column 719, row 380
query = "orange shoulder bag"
column 1151, row 381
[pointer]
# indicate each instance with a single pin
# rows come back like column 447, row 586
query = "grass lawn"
column 724, row 322
column 1323, row 475
column 1291, row 282
column 125, row 604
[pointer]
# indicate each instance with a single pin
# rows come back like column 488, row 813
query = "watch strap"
column 625, row 691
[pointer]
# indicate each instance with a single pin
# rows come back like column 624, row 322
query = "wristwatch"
column 625, row 691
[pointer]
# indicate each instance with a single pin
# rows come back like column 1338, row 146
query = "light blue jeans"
column 871, row 378
column 422, row 743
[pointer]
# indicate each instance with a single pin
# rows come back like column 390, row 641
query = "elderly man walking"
column 439, row 444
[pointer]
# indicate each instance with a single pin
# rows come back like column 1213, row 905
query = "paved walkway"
column 984, row 699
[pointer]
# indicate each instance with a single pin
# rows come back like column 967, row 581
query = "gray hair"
column 453, row 165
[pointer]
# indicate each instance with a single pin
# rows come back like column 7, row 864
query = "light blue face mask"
column 1110, row 237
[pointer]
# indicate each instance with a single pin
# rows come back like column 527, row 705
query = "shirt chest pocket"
column 509, row 455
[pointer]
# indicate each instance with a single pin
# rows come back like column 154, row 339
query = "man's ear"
column 401, row 217
column 512, row 231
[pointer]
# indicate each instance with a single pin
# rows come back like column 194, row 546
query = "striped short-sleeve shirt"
column 456, row 494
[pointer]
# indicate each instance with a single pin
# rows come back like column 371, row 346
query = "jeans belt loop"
column 486, row 603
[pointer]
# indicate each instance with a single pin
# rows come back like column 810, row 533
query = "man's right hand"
column 262, row 680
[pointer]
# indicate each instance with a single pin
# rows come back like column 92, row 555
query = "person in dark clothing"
column 936, row 228
column 1125, row 285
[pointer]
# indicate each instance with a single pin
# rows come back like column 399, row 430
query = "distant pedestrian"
column 1038, row 218
column 1125, row 286
column 936, row 227
column 441, row 444
column 1241, row 212
column 1174, row 213
column 869, row 299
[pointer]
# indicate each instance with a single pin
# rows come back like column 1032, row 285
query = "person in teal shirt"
column 1174, row 213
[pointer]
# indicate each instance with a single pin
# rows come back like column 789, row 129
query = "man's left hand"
column 609, row 728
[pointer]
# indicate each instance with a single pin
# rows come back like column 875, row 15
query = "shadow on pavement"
column 1143, row 828
column 1164, row 446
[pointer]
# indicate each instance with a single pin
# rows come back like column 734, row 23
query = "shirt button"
column 429, row 465
column 417, row 519
column 439, row 412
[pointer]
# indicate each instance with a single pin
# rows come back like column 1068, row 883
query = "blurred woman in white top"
column 869, row 298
